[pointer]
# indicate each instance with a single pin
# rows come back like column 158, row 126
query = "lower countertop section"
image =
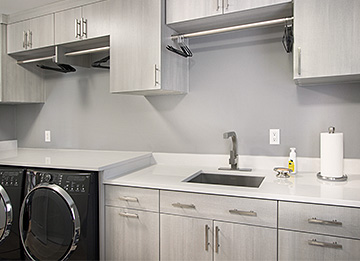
column 302, row 187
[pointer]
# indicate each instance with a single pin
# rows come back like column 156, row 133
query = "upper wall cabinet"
column 327, row 40
column 17, row 84
column 31, row 34
column 140, row 63
column 188, row 16
column 89, row 21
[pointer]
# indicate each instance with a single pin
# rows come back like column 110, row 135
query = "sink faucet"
column 233, row 160
column 233, row 153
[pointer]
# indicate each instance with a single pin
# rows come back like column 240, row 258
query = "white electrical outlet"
column 274, row 136
column 47, row 136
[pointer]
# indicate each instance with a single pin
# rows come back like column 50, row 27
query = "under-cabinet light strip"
column 36, row 59
column 233, row 28
column 95, row 50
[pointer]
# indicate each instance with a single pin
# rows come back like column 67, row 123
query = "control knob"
column 47, row 177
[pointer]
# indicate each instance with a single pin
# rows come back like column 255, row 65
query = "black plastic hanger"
column 63, row 68
column 288, row 38
column 98, row 64
column 184, row 50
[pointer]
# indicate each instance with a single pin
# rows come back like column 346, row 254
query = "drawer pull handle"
column 129, row 199
column 313, row 242
column 179, row 205
column 129, row 215
column 207, row 237
column 243, row 213
column 217, row 244
column 324, row 222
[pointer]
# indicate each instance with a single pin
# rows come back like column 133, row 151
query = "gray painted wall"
column 239, row 81
column 7, row 122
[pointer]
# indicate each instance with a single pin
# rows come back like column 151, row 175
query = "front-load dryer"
column 11, row 196
column 59, row 215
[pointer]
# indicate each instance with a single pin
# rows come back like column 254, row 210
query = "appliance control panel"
column 71, row 182
column 10, row 178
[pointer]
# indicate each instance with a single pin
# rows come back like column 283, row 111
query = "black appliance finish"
column 59, row 215
column 11, row 196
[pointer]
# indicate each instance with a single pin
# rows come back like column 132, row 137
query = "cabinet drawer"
column 135, row 198
column 241, row 210
column 304, row 246
column 331, row 220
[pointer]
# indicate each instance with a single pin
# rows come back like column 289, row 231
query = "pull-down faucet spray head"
column 233, row 153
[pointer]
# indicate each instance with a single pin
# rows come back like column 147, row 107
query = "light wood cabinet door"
column 184, row 10
column 305, row 246
column 17, row 35
column 131, row 234
column 135, row 45
column 327, row 40
column 68, row 26
column 241, row 5
column 42, row 32
column 185, row 238
column 97, row 19
column 241, row 242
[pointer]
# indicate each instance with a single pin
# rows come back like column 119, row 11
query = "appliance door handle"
column 6, row 205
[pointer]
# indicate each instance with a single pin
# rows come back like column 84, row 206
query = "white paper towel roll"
column 332, row 155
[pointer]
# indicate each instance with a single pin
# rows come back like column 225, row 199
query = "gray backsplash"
column 239, row 81
column 7, row 122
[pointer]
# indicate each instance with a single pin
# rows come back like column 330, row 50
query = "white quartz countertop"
column 93, row 160
column 301, row 187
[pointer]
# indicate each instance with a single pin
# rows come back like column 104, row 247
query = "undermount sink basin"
column 226, row 179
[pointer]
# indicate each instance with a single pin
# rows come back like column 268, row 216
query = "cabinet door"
column 41, row 31
column 131, row 234
column 97, row 20
column 327, row 38
column 17, row 35
column 241, row 5
column 305, row 246
column 68, row 26
column 135, row 45
column 242, row 242
column 184, row 10
column 185, row 238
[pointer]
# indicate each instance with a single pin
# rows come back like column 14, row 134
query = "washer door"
column 6, row 214
column 49, row 223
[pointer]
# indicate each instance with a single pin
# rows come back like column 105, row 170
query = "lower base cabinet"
column 131, row 234
column 307, row 246
column 187, row 238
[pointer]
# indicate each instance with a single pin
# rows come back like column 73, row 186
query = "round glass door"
column 49, row 223
column 6, row 214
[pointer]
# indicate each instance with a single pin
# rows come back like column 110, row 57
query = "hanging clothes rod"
column 94, row 50
column 36, row 59
column 233, row 28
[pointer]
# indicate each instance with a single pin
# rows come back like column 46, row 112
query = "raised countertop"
column 169, row 172
column 92, row 160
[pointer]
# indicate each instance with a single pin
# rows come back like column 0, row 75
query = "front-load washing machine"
column 59, row 215
column 11, row 196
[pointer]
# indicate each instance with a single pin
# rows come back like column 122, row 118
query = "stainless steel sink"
column 226, row 179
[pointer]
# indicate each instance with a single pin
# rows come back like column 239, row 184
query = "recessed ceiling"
column 14, row 6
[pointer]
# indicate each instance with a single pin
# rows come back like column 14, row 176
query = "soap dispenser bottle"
column 292, row 160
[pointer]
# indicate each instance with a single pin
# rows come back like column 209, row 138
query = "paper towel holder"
column 343, row 178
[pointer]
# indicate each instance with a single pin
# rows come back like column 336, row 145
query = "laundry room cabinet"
column 17, row 84
column 131, row 223
column 84, row 22
column 326, row 41
column 140, row 63
column 30, row 34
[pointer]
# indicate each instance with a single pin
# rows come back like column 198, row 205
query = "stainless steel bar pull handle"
column 30, row 39
column 299, row 61
column 84, row 27
column 217, row 245
column 325, row 222
column 77, row 28
column 314, row 242
column 218, row 5
column 179, row 205
column 129, row 199
column 157, row 71
column 226, row 4
column 129, row 215
column 207, row 237
column 24, row 39
column 243, row 213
